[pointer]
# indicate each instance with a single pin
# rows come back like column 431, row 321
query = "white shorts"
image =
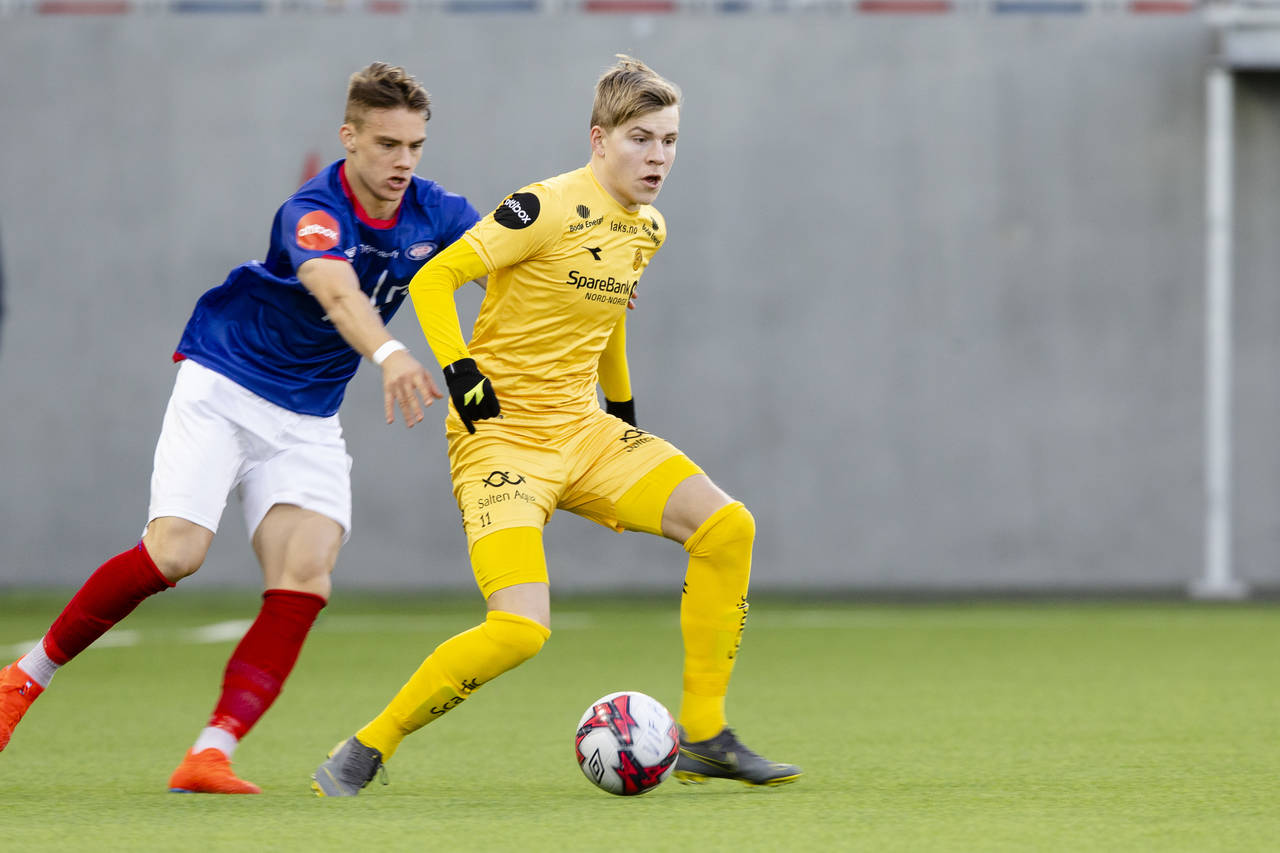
column 218, row 436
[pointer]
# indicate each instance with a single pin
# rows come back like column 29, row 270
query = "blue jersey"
column 264, row 330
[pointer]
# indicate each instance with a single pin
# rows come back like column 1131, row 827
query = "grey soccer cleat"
column 725, row 757
column 351, row 765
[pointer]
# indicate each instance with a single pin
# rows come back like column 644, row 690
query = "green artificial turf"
column 1004, row 726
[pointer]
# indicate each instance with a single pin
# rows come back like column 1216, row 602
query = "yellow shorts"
column 516, row 475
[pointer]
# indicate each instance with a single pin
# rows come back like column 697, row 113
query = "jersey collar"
column 618, row 207
column 381, row 224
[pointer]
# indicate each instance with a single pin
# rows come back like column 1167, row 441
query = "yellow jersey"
column 563, row 259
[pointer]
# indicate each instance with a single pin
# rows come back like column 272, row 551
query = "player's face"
column 634, row 158
column 383, row 149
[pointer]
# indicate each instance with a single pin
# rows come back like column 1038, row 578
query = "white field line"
column 760, row 619
column 983, row 619
column 218, row 632
column 369, row 624
column 232, row 630
column 117, row 638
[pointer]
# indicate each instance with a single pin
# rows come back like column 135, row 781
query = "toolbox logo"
column 518, row 210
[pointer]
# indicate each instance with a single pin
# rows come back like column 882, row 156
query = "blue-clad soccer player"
column 265, row 360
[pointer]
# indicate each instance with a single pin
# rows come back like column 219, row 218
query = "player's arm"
column 432, row 290
column 334, row 284
column 615, row 377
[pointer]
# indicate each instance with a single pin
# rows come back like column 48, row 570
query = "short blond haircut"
column 380, row 86
column 628, row 89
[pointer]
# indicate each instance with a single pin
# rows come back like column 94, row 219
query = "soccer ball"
column 627, row 743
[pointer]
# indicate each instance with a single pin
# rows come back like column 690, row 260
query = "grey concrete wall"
column 932, row 304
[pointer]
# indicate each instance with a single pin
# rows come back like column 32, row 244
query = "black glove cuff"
column 625, row 410
column 459, row 367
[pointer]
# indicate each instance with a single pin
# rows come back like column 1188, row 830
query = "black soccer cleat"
column 725, row 757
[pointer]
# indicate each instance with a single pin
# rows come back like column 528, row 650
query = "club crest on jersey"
column 518, row 210
column 637, row 260
column 317, row 231
column 420, row 251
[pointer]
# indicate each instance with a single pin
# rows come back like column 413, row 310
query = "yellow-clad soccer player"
column 527, row 435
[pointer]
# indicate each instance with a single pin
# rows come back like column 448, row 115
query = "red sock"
column 263, row 660
column 110, row 594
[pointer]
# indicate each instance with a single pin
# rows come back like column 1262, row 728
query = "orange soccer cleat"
column 208, row 772
column 17, row 692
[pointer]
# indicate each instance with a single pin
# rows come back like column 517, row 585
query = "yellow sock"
column 713, row 612
column 451, row 673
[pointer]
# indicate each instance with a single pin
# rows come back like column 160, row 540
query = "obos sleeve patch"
column 317, row 231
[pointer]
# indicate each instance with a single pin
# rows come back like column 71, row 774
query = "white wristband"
column 381, row 353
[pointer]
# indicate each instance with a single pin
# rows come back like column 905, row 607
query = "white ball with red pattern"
column 627, row 743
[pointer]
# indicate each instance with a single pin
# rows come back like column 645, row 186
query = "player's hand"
column 472, row 392
column 404, row 380
column 635, row 293
column 625, row 410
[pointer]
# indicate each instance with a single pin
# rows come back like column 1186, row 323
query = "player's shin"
column 256, row 672
column 110, row 594
column 713, row 612
column 450, row 674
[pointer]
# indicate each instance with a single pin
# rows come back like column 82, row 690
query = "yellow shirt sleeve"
column 432, row 293
column 615, row 378
column 526, row 224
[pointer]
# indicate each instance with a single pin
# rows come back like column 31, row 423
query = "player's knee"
column 519, row 637
column 177, row 558
column 176, row 566
column 731, row 526
column 176, row 546
column 315, row 584
column 308, row 572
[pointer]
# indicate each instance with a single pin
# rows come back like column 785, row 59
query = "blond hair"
column 628, row 89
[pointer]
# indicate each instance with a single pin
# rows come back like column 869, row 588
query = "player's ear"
column 597, row 140
column 347, row 135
